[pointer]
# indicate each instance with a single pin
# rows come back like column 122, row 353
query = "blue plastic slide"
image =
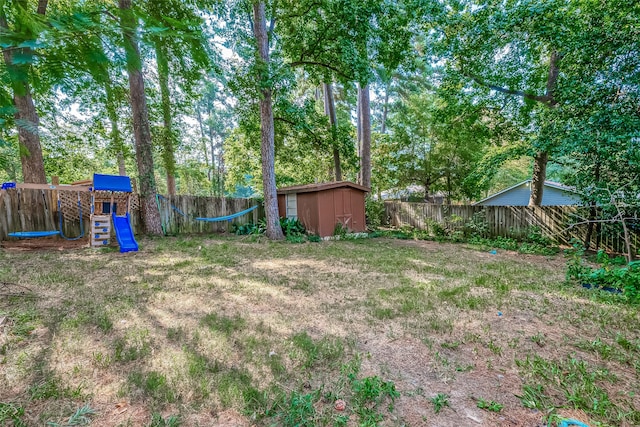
column 124, row 234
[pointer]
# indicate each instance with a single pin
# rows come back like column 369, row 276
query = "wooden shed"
column 321, row 206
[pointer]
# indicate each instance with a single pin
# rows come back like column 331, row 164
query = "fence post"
column 55, row 212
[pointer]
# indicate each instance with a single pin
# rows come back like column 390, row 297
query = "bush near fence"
column 558, row 223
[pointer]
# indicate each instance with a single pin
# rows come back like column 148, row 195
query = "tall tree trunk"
column 365, row 159
column 593, row 210
column 385, row 109
column 427, row 188
column 168, row 140
column 204, row 143
column 359, row 130
column 122, row 169
column 538, row 178
column 116, row 137
column 220, row 173
column 26, row 115
column 330, row 111
column 359, row 119
column 144, row 154
column 267, row 148
column 212, row 142
column 542, row 157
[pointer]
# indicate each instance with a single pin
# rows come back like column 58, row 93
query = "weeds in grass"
column 11, row 413
column 52, row 388
column 299, row 410
column 597, row 346
column 539, row 339
column 533, row 397
column 495, row 348
column 365, row 396
column 453, row 345
column 326, row 350
column 176, row 334
column 373, row 389
column 572, row 382
column 235, row 388
column 101, row 360
column 103, row 322
column 223, row 324
column 171, row 421
column 489, row 405
column 24, row 322
column 153, row 385
column 439, row 401
column 81, row 417
column 135, row 345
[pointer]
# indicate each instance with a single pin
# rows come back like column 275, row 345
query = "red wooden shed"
column 321, row 206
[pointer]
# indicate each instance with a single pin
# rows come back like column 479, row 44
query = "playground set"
column 110, row 204
column 105, row 203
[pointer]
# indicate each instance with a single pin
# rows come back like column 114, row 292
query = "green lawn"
column 226, row 331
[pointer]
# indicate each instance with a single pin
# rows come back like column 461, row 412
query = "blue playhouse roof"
column 111, row 183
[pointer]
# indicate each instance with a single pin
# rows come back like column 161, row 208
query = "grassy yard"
column 225, row 331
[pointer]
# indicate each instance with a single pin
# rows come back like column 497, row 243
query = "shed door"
column 292, row 205
column 342, row 203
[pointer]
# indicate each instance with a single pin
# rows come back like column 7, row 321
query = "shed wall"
column 341, row 205
column 308, row 213
column 359, row 219
column 282, row 207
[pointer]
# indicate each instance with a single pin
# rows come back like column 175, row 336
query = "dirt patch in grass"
column 43, row 243
column 222, row 331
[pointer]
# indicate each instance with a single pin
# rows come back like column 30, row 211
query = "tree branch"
column 544, row 99
column 292, row 123
column 304, row 12
column 42, row 6
column 272, row 25
column 552, row 78
column 321, row 64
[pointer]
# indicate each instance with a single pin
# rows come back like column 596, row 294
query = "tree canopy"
column 465, row 95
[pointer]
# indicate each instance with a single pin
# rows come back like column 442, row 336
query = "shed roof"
column 309, row 188
column 111, row 183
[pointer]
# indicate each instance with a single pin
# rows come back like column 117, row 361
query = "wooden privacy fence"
column 178, row 213
column 558, row 223
column 37, row 210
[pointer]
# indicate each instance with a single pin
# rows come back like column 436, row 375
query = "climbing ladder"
column 100, row 230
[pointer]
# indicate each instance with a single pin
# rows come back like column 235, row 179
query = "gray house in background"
column 554, row 194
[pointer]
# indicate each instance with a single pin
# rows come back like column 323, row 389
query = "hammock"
column 220, row 218
column 33, row 234
column 228, row 217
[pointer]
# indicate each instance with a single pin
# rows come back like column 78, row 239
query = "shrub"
column 375, row 213
column 609, row 275
column 292, row 227
column 247, row 229
column 477, row 226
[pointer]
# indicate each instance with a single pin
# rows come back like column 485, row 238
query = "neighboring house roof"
column 309, row 188
column 518, row 195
